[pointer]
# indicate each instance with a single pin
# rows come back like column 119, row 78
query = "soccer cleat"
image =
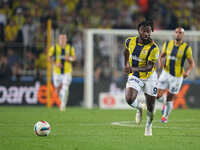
column 148, row 131
column 138, row 117
column 62, row 107
column 164, row 120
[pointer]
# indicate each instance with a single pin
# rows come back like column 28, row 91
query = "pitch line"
column 134, row 125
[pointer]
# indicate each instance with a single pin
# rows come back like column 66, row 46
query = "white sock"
column 136, row 104
column 168, row 108
column 149, row 119
column 63, row 97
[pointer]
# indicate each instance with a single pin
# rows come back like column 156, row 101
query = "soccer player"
column 174, row 52
column 141, row 53
column 61, row 56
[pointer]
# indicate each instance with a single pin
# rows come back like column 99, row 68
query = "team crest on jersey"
column 180, row 52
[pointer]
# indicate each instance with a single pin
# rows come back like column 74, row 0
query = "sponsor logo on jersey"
column 172, row 58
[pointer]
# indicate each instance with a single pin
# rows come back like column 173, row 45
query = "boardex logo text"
column 18, row 94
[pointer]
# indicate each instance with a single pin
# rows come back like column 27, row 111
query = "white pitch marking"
column 134, row 125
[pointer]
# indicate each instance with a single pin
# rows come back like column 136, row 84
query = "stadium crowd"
column 23, row 26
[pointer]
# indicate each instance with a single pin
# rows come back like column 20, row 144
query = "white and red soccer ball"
column 42, row 128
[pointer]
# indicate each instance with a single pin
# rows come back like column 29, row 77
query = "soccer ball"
column 42, row 128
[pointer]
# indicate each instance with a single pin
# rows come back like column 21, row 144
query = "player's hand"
column 59, row 65
column 185, row 74
column 68, row 58
column 127, row 69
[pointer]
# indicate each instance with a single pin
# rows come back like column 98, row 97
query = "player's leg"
column 131, row 98
column 161, row 97
column 150, row 100
column 168, row 107
column 57, row 81
column 132, row 89
column 65, row 90
column 162, row 86
column 150, row 90
column 174, row 87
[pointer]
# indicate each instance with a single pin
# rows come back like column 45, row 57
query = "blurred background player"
column 61, row 56
column 174, row 52
column 141, row 54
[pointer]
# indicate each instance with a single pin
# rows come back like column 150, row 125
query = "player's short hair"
column 182, row 29
column 146, row 23
column 62, row 31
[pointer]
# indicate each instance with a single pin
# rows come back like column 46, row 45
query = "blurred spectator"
column 11, row 31
column 15, row 64
column 38, row 40
column 24, row 21
column 40, row 66
column 103, row 73
column 6, row 10
column 13, row 58
column 5, row 70
column 29, row 61
column 78, row 46
column 16, row 72
column 28, row 32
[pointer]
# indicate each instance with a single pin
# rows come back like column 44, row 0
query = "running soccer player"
column 141, row 53
column 174, row 52
column 61, row 56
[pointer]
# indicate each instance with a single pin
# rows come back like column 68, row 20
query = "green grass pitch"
column 96, row 129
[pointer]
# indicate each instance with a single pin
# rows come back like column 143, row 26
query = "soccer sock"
column 136, row 104
column 64, row 96
column 168, row 108
column 149, row 119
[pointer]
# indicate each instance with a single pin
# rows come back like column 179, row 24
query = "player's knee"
column 160, row 94
column 170, row 96
column 130, row 99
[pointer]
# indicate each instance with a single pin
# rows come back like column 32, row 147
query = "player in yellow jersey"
column 141, row 54
column 174, row 52
column 61, row 56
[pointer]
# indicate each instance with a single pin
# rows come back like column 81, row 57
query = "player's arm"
column 72, row 56
column 190, row 60
column 190, row 67
column 51, row 59
column 148, row 67
column 162, row 56
column 127, row 68
column 50, row 55
column 161, row 60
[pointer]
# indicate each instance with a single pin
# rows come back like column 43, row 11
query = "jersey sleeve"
column 164, row 47
column 154, row 55
column 127, row 41
column 189, row 52
column 51, row 51
column 72, row 53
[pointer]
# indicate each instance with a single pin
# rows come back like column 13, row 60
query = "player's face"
column 62, row 39
column 179, row 34
column 145, row 33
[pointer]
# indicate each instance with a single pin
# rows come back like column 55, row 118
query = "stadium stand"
column 23, row 25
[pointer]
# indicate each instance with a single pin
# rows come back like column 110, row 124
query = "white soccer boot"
column 62, row 107
column 148, row 131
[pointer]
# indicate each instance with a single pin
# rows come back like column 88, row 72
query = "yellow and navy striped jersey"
column 140, row 54
column 59, row 54
column 175, row 57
